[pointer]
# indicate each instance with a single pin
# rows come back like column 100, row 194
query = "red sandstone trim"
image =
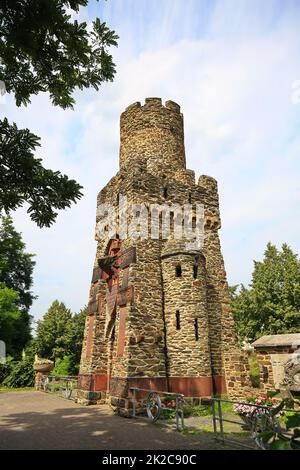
column 188, row 386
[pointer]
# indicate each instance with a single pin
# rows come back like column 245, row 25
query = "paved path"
column 36, row 420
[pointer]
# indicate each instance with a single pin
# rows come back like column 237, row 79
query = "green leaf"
column 280, row 445
column 295, row 444
column 24, row 179
column 277, row 409
column 267, row 436
column 293, row 421
column 45, row 50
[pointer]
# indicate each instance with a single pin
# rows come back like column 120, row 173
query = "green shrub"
column 5, row 369
column 21, row 375
column 254, row 370
column 65, row 366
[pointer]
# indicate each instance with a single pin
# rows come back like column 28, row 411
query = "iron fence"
column 250, row 421
column 155, row 407
column 63, row 386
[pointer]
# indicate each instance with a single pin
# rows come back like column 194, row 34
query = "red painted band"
column 188, row 386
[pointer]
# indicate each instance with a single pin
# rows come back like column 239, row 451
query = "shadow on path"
column 36, row 420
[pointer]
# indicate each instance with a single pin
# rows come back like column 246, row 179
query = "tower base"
column 93, row 388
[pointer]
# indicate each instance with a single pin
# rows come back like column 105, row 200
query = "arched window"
column 177, row 320
column 178, row 271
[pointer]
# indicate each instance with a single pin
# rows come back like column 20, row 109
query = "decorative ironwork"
column 155, row 407
column 262, row 422
column 45, row 383
column 64, row 386
column 260, row 419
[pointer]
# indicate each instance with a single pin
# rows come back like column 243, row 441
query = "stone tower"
column 159, row 311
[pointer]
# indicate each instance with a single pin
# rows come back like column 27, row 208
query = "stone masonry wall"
column 153, row 171
column 186, row 316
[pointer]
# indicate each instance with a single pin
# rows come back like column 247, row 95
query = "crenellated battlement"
column 154, row 132
column 151, row 103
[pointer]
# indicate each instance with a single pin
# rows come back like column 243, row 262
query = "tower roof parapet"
column 154, row 132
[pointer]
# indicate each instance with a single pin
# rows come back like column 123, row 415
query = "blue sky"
column 231, row 66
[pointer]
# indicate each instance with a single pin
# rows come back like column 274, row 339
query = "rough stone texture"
column 136, row 341
column 38, row 381
column 267, row 357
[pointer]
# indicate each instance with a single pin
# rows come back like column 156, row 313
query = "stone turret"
column 153, row 133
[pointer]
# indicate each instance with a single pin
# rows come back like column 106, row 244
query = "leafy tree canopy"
column 16, row 266
column 74, row 335
column 60, row 335
column 51, row 331
column 43, row 50
column 271, row 305
column 10, row 318
column 24, row 179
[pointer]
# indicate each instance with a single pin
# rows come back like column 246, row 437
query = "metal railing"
column 155, row 407
column 252, row 423
column 63, row 386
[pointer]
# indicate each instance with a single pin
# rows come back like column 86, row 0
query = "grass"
column 198, row 410
column 21, row 389
column 196, row 432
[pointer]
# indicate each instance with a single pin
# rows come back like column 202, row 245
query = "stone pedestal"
column 41, row 370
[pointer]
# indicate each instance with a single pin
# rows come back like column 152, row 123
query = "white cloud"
column 234, row 85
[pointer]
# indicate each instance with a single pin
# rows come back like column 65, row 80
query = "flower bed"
column 246, row 409
column 170, row 403
column 259, row 413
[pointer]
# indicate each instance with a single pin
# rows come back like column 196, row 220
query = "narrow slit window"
column 172, row 222
column 196, row 329
column 165, row 192
column 195, row 271
column 178, row 271
column 190, row 198
column 177, row 320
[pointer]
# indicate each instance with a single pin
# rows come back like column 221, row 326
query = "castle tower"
column 159, row 311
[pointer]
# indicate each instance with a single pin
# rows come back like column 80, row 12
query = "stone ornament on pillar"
column 42, row 368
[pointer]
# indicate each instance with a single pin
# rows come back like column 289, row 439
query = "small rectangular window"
column 178, row 270
column 177, row 320
column 172, row 222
